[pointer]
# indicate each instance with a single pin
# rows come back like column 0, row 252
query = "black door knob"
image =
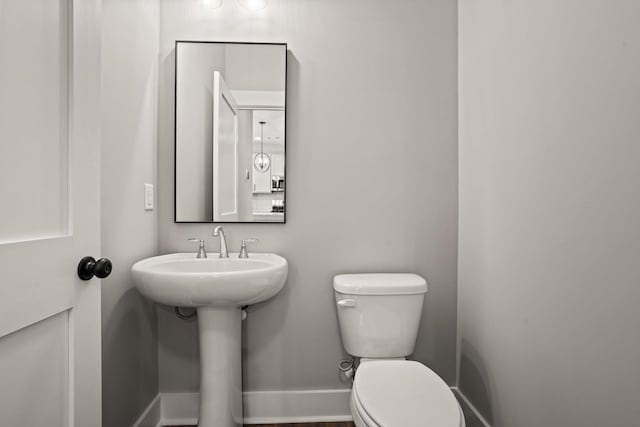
column 89, row 267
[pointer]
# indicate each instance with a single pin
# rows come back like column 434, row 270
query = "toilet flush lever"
column 347, row 303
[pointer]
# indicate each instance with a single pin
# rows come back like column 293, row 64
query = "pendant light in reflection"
column 262, row 161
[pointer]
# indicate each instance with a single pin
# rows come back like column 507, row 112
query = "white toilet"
column 379, row 316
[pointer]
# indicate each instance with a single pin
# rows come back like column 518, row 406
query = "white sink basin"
column 186, row 281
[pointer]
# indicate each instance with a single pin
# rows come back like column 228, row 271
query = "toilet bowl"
column 402, row 393
column 379, row 316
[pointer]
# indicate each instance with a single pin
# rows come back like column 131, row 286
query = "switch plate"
column 148, row 197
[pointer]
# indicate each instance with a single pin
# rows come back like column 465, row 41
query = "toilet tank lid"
column 380, row 284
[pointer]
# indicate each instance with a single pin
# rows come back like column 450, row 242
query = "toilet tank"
column 379, row 314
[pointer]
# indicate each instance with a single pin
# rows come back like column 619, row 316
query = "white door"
column 50, row 327
column 225, row 152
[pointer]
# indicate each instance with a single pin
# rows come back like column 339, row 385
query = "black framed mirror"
column 230, row 132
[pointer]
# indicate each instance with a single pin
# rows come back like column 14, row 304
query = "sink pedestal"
column 220, row 330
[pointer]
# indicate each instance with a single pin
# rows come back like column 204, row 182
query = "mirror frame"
column 175, row 129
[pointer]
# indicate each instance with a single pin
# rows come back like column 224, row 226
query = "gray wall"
column 371, row 184
column 550, row 211
column 255, row 67
column 129, row 96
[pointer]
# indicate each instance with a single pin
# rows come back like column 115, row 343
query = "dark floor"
column 470, row 418
column 345, row 424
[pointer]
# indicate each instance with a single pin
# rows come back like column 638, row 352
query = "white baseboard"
column 298, row 406
column 265, row 407
column 179, row 408
column 470, row 406
column 260, row 407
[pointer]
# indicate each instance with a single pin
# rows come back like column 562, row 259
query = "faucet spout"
column 219, row 232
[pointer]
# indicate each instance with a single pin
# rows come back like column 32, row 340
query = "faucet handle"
column 202, row 253
column 243, row 247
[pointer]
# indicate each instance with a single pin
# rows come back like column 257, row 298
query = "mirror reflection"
column 230, row 132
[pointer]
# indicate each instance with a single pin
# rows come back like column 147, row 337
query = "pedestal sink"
column 217, row 288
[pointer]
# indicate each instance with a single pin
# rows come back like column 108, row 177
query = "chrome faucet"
column 202, row 252
column 218, row 232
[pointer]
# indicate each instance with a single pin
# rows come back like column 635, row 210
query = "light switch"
column 148, row 197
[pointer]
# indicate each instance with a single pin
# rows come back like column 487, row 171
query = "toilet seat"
column 402, row 393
